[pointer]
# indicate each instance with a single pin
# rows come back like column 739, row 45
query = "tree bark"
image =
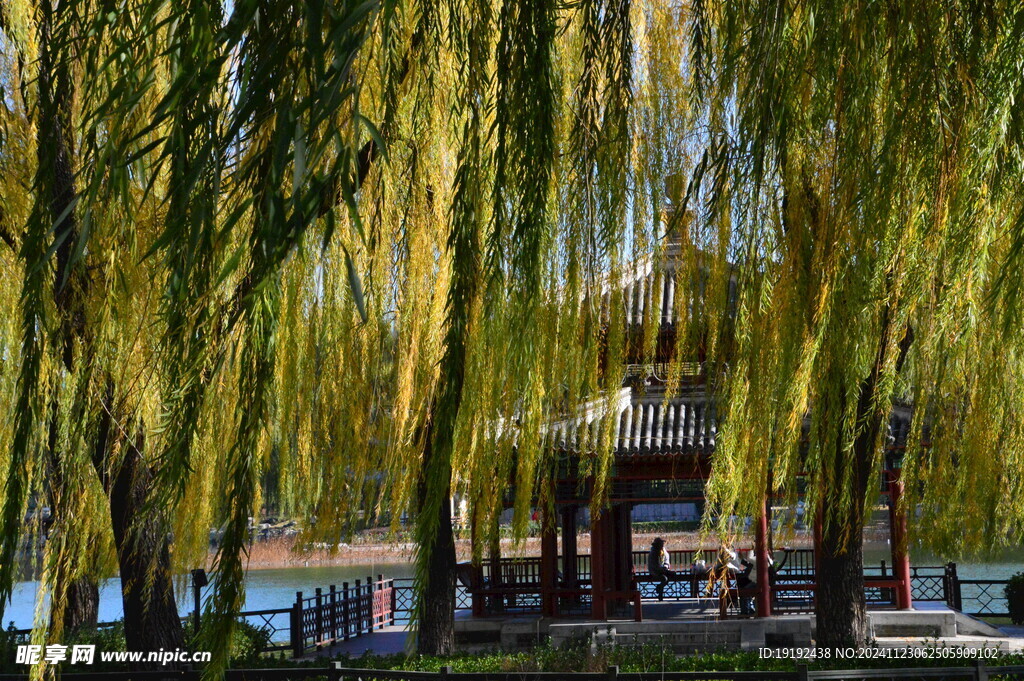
column 437, row 609
column 143, row 554
column 840, row 606
column 83, row 606
column 142, row 544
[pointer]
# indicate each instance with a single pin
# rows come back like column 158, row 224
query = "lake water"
column 264, row 589
column 267, row 589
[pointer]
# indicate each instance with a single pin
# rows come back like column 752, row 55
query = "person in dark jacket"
column 659, row 566
column 747, row 579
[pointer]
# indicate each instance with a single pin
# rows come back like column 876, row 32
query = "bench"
column 681, row 576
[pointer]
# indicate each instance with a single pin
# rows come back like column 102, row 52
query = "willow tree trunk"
column 142, row 543
column 83, row 606
column 143, row 554
column 437, row 625
column 840, row 606
column 841, row 618
column 436, row 568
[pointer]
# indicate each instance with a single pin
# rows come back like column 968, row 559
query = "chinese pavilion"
column 663, row 450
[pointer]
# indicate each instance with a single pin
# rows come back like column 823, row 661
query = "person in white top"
column 659, row 566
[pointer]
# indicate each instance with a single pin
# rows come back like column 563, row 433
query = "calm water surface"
column 264, row 589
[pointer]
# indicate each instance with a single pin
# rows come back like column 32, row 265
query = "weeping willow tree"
column 180, row 156
column 376, row 250
column 330, row 235
column 862, row 174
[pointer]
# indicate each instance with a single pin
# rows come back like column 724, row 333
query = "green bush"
column 9, row 642
column 104, row 638
column 247, row 642
column 1015, row 598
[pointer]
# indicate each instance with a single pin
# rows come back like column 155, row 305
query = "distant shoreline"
column 281, row 552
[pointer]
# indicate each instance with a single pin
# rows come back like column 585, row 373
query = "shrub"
column 1015, row 598
column 106, row 638
column 10, row 639
column 247, row 642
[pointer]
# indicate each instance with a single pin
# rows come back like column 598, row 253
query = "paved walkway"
column 688, row 608
column 395, row 639
column 390, row 640
column 1006, row 645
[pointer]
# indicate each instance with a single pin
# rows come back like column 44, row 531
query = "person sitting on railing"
column 747, row 578
column 724, row 572
column 726, row 567
column 775, row 568
column 659, row 566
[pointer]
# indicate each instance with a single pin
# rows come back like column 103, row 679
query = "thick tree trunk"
column 841, row 611
column 141, row 540
column 147, row 592
column 436, row 569
column 841, row 618
column 840, row 608
column 437, row 608
column 82, row 609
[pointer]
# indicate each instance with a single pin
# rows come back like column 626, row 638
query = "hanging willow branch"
column 329, row 256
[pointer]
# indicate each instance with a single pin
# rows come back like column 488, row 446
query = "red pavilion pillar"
column 599, row 551
column 898, row 541
column 548, row 564
column 763, row 599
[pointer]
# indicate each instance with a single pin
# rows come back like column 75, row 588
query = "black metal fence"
column 979, row 671
column 354, row 610
column 405, row 599
column 513, row 586
column 276, row 622
column 336, row 614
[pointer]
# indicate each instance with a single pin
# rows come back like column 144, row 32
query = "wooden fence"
column 313, row 622
column 338, row 614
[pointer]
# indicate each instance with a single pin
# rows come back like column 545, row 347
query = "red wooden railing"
column 339, row 614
